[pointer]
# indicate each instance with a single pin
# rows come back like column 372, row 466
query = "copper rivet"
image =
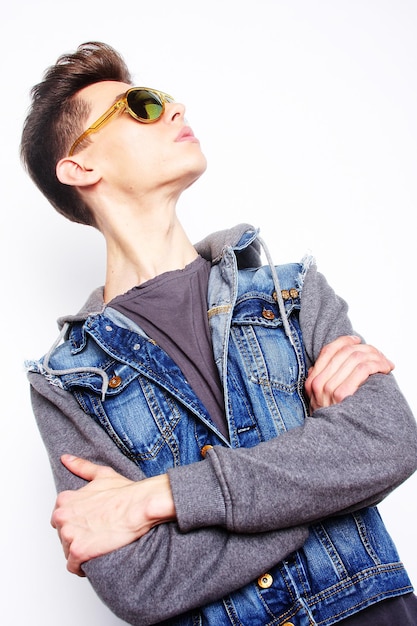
column 268, row 314
column 115, row 381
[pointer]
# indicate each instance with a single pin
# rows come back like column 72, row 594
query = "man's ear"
column 72, row 171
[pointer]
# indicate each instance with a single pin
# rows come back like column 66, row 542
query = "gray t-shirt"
column 172, row 309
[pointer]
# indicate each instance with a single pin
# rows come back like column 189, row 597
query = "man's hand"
column 343, row 365
column 111, row 511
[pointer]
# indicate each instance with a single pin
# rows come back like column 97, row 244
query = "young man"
column 234, row 434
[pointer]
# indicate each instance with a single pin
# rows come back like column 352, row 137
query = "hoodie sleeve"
column 344, row 457
column 154, row 578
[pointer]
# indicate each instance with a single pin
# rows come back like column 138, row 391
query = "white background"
column 306, row 111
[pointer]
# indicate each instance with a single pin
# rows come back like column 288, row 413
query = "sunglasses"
column 143, row 104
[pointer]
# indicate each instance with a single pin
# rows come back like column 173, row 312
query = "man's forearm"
column 345, row 456
column 125, row 578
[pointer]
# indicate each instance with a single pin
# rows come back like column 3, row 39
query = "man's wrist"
column 160, row 507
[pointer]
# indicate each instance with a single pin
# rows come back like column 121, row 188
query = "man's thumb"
column 80, row 467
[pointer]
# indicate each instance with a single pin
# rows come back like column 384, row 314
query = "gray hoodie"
column 353, row 453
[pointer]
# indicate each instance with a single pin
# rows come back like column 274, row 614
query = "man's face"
column 139, row 158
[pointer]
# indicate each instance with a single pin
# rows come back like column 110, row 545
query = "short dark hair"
column 56, row 118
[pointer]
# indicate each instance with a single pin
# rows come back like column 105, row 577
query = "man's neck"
column 142, row 250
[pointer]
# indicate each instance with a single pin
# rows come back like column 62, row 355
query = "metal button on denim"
column 115, row 381
column 268, row 314
column 265, row 581
column 288, row 624
column 204, row 450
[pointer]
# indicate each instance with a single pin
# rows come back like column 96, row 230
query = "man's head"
column 56, row 118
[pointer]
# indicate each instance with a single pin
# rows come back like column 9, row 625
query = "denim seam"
column 365, row 538
column 353, row 580
column 364, row 604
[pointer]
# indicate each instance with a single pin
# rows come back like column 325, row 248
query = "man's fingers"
column 342, row 366
column 334, row 349
column 346, row 352
column 329, row 361
column 69, row 546
column 342, row 377
column 74, row 563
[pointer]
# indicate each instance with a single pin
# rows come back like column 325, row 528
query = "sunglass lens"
column 145, row 104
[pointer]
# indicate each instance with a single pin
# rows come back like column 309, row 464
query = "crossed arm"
column 112, row 511
column 228, row 528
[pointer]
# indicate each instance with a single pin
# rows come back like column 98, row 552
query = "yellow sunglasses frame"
column 120, row 106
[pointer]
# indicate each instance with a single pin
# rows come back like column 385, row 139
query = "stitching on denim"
column 231, row 612
column 96, row 411
column 197, row 619
column 235, row 430
column 292, row 612
column 301, row 578
column 363, row 533
column 364, row 604
column 260, row 594
column 354, row 580
column 295, row 608
column 331, row 550
column 244, row 335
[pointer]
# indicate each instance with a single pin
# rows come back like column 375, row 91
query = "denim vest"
column 140, row 397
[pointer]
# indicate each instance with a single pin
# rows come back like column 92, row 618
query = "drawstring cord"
column 74, row 370
column 280, row 300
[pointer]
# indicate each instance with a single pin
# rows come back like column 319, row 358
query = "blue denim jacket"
column 140, row 397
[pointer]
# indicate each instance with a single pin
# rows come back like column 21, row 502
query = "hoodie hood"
column 242, row 238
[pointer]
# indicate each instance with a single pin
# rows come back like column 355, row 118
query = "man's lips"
column 186, row 134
